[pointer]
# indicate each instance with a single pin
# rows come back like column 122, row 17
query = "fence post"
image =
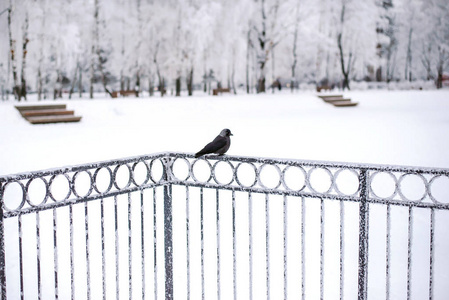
column 168, row 228
column 363, row 235
column 2, row 248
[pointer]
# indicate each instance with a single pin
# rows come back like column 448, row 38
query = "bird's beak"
column 231, row 134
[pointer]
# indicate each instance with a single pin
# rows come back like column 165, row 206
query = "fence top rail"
column 385, row 184
column 81, row 167
column 249, row 159
column 325, row 164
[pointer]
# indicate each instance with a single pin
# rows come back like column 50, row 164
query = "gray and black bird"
column 219, row 145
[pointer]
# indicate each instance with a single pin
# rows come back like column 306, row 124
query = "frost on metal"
column 365, row 185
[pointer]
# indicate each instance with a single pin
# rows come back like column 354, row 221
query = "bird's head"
column 226, row 132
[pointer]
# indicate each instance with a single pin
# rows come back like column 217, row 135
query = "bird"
column 219, row 145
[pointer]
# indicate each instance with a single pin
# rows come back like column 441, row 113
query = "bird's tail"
column 198, row 154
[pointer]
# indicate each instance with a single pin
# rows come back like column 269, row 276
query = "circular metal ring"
column 260, row 176
column 430, row 187
column 403, row 197
column 285, row 183
column 256, row 174
column 371, row 178
column 188, row 167
column 215, row 177
column 28, row 200
column 133, row 168
column 337, row 173
column 90, row 185
column 68, row 193
column 114, row 174
column 309, row 183
column 150, row 166
column 22, row 202
column 94, row 181
column 192, row 174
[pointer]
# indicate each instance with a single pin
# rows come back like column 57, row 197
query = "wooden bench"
column 215, row 92
column 124, row 93
column 323, row 88
column 337, row 100
column 40, row 114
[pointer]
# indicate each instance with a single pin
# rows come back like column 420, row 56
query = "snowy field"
column 387, row 127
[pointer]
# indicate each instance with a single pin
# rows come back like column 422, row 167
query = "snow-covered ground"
column 387, row 127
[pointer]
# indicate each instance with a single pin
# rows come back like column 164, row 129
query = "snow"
column 387, row 127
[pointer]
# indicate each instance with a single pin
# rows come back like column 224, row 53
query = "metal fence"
column 171, row 226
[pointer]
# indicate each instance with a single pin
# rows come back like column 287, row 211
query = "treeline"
column 74, row 46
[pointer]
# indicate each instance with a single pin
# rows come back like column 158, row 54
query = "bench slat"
column 40, row 107
column 344, row 103
column 47, row 112
column 52, row 119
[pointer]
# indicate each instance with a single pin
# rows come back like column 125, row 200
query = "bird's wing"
column 218, row 143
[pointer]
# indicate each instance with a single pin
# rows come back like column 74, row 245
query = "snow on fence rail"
column 171, row 226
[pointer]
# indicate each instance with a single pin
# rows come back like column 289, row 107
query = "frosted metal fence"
column 171, row 226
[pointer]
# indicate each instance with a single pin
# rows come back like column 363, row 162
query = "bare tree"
column 12, row 47
column 23, row 89
column 267, row 39
column 294, row 50
column 346, row 60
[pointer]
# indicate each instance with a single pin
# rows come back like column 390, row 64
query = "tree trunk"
column 440, row 67
column 344, row 70
column 189, row 80
column 80, row 83
column 92, row 72
column 178, row 86
column 137, row 83
column 248, row 48
column 12, row 48
column 23, row 90
column 408, row 61
column 150, row 86
column 72, row 86
column 294, row 52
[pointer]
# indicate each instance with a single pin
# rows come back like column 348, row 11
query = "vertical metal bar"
column 188, row 239
column 55, row 251
column 19, row 223
column 267, row 243
column 142, row 241
column 234, row 248
column 321, row 249
column 202, row 241
column 38, row 254
column 409, row 252
column 387, row 254
column 72, row 264
column 342, row 249
column 431, row 255
column 103, row 258
column 303, row 249
column 2, row 249
column 86, row 228
column 130, row 258
column 250, row 243
column 168, row 241
column 363, row 235
column 285, row 246
column 154, row 243
column 218, row 244
column 117, row 267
